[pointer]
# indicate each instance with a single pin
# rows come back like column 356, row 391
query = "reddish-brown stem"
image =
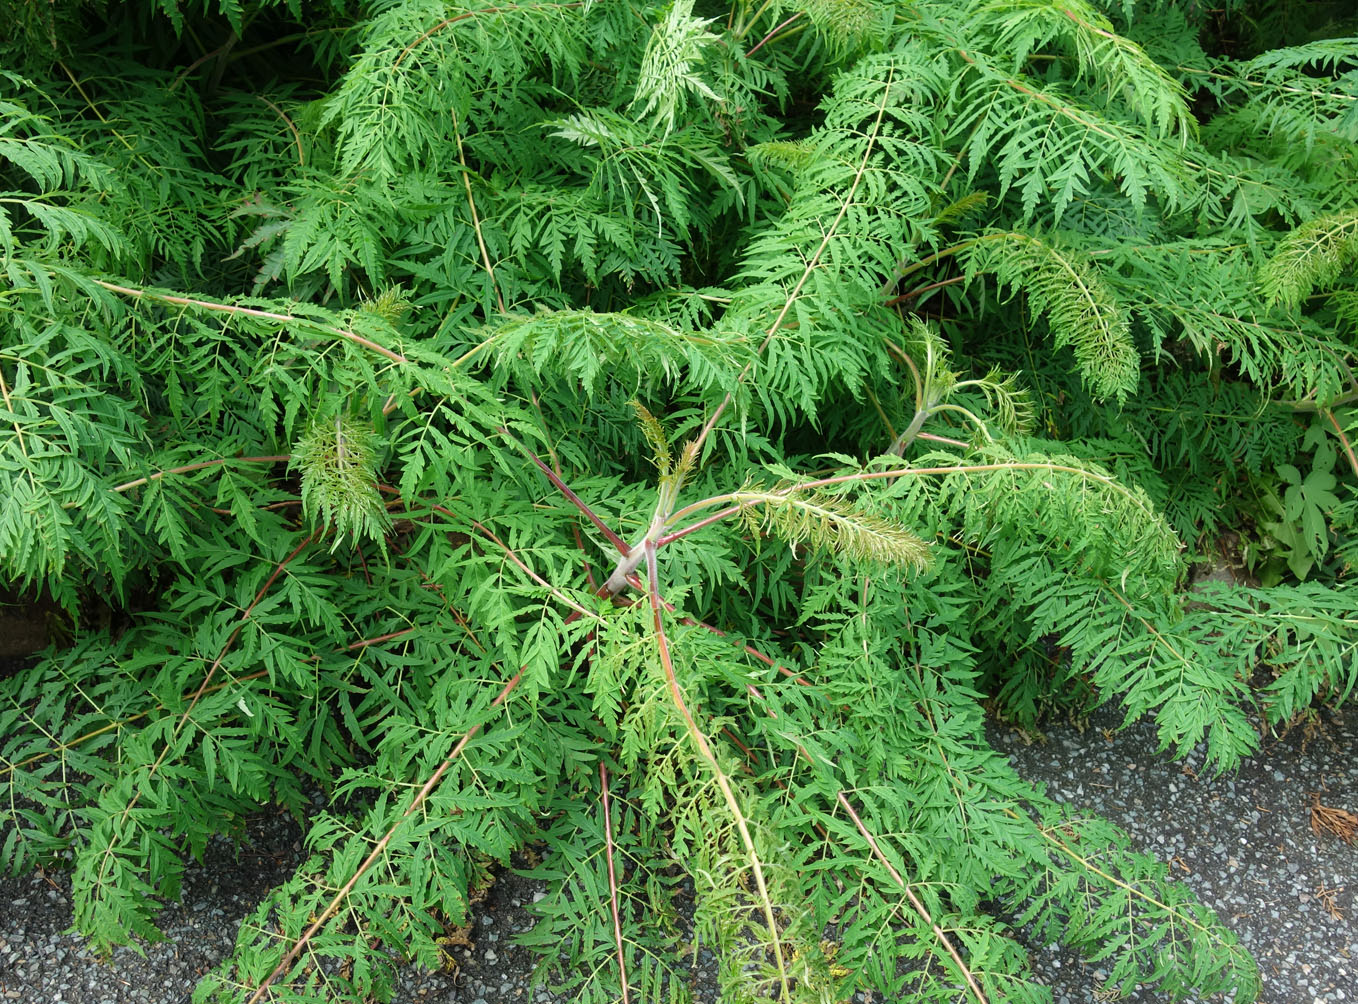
column 749, row 753
column 381, row 846
column 296, row 136
column 612, row 880
column 716, row 517
column 378, row 640
column 921, row 290
column 1348, row 447
column 565, row 490
column 914, row 900
column 769, row 37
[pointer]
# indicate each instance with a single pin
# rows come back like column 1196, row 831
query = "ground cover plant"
column 651, row 436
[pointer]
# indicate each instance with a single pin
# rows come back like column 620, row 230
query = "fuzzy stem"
column 670, row 487
column 705, row 751
column 904, row 357
column 744, row 498
column 944, row 439
column 629, row 562
column 898, row 448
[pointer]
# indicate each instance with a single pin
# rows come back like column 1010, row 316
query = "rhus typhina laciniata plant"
column 652, row 436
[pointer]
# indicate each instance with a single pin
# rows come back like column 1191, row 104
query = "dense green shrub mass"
column 650, row 432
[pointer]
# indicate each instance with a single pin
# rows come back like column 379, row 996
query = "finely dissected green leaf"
column 821, row 521
column 1314, row 254
column 1304, row 633
column 848, row 26
column 624, row 348
column 1080, row 309
column 1115, row 63
column 387, row 400
column 336, row 458
column 670, row 67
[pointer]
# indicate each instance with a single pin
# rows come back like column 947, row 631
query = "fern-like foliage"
column 1314, row 254
column 1081, row 311
column 336, row 458
column 657, row 431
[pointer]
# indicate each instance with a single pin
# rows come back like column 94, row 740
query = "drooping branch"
column 291, row 954
column 265, row 315
column 107, row 858
column 201, row 465
column 733, row 502
column 915, row 902
column 807, row 272
column 704, row 750
column 80, row 740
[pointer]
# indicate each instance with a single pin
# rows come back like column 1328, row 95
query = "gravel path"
column 1242, row 842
